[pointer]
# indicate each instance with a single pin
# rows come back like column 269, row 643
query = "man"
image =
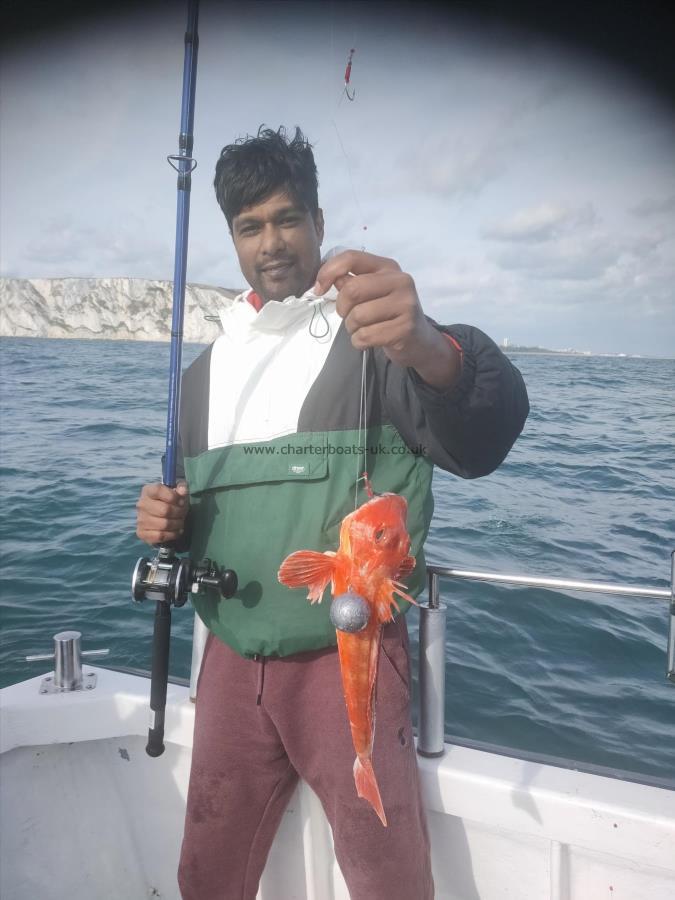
column 270, row 428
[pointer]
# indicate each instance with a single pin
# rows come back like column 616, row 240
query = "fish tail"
column 366, row 786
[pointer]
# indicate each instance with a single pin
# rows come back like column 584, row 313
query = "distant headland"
column 508, row 347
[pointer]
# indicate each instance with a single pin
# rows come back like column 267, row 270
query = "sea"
column 588, row 492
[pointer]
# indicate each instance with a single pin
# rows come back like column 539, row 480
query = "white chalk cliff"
column 111, row 308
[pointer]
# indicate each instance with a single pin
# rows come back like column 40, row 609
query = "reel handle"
column 208, row 574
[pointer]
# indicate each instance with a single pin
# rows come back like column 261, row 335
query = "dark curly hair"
column 254, row 168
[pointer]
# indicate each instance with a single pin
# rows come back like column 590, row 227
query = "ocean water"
column 587, row 492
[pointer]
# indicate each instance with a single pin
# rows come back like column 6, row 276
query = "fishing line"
column 363, row 434
column 351, row 179
column 362, row 455
column 335, row 105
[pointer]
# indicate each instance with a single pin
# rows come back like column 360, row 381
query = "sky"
column 527, row 186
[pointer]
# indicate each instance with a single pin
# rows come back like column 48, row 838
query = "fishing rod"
column 167, row 578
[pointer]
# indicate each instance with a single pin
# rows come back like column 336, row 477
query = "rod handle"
column 159, row 678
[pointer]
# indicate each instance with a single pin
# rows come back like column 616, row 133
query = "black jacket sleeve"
column 470, row 428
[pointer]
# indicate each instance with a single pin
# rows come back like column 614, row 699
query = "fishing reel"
column 170, row 578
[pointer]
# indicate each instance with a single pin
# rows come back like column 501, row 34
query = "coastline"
column 122, row 337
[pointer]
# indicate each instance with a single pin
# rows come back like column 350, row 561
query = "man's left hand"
column 380, row 306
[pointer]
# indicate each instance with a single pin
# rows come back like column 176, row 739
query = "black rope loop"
column 319, row 335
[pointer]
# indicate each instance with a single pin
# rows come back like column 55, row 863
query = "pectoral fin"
column 308, row 568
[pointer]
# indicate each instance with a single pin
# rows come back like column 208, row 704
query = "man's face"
column 278, row 244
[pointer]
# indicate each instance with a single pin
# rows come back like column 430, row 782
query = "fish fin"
column 406, row 567
column 398, row 589
column 308, row 568
column 366, row 786
column 385, row 604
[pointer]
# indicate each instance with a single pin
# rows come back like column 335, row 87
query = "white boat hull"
column 86, row 814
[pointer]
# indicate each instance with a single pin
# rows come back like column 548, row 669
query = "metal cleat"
column 67, row 674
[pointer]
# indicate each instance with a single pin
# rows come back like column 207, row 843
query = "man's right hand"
column 161, row 512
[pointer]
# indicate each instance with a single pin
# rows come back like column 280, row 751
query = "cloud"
column 461, row 171
column 652, row 206
column 448, row 165
column 58, row 243
column 579, row 257
column 540, row 223
column 468, row 285
column 61, row 247
column 471, row 290
column 642, row 282
column 452, row 164
column 215, row 267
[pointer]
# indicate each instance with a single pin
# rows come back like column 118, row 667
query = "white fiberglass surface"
column 85, row 813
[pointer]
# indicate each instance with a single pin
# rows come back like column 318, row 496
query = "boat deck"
column 87, row 814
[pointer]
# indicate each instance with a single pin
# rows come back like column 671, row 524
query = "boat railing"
column 431, row 719
column 431, row 736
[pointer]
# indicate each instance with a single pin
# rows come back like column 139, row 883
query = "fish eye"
column 379, row 534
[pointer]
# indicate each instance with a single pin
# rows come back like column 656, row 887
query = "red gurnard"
column 372, row 556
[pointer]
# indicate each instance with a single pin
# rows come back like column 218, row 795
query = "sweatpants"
column 260, row 725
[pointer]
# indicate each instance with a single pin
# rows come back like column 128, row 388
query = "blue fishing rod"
column 167, row 578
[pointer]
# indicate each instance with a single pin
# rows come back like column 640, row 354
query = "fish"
column 373, row 555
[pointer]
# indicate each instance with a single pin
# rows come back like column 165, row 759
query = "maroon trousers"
column 261, row 724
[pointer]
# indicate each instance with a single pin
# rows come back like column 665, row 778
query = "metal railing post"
column 431, row 725
column 670, row 668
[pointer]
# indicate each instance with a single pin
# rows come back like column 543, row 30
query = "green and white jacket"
column 269, row 436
